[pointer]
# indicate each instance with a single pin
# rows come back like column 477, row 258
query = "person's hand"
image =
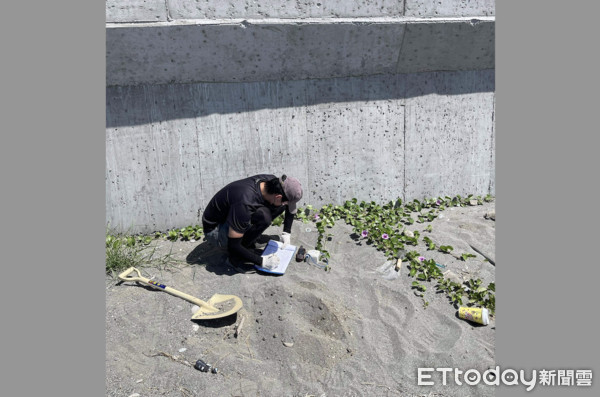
column 270, row 261
column 285, row 238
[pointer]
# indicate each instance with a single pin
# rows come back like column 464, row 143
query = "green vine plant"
column 382, row 226
column 189, row 233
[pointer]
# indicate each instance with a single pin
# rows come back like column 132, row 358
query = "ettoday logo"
column 508, row 377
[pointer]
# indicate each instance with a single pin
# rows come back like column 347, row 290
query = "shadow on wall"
column 146, row 104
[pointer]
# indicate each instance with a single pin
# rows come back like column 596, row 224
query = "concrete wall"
column 368, row 99
column 169, row 10
column 283, row 50
column 171, row 147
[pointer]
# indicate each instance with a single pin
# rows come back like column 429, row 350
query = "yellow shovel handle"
column 125, row 276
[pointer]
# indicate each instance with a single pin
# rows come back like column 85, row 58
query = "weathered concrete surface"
column 180, row 143
column 249, row 52
column 355, row 137
column 119, row 11
column 449, row 8
column 260, row 50
column 178, row 41
column 169, row 148
column 450, row 137
column 457, row 45
column 357, row 150
column 136, row 11
column 182, row 9
column 161, row 10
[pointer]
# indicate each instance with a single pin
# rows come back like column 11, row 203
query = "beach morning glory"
column 364, row 233
column 385, row 236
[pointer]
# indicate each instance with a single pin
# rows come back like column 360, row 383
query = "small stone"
column 288, row 344
column 182, row 350
column 408, row 233
column 473, row 202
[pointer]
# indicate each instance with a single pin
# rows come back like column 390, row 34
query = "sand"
column 355, row 330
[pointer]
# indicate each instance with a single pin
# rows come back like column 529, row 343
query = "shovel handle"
column 125, row 276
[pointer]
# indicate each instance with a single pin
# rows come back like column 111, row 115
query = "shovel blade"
column 219, row 306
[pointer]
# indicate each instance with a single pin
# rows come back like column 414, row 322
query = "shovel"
column 218, row 305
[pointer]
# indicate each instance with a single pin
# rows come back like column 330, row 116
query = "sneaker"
column 241, row 266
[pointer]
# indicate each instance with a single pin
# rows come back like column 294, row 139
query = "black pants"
column 260, row 221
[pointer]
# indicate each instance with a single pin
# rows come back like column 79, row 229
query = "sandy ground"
column 356, row 330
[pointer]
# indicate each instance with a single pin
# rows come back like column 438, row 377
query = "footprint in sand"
column 383, row 322
column 434, row 332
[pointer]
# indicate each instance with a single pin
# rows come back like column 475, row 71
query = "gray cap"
column 293, row 191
